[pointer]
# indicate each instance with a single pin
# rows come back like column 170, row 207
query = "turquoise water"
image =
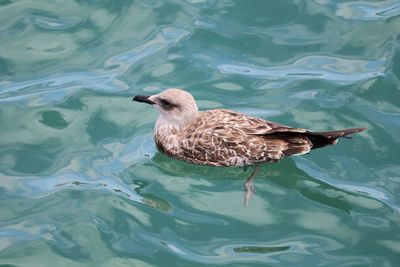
column 81, row 183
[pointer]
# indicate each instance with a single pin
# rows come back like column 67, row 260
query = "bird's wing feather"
column 221, row 137
column 253, row 125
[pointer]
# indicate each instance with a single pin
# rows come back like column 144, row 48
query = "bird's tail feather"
column 321, row 139
column 340, row 133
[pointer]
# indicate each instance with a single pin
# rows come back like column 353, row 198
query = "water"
column 81, row 181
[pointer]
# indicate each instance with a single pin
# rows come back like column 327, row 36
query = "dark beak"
column 143, row 99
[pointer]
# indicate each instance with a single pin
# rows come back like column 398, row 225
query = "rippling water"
column 81, row 181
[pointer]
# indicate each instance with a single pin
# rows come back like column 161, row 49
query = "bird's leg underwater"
column 248, row 185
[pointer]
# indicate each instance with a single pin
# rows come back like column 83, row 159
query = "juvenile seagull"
column 222, row 137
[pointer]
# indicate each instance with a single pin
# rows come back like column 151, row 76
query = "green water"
column 81, row 183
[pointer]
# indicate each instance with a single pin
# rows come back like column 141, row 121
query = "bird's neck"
column 171, row 126
column 165, row 128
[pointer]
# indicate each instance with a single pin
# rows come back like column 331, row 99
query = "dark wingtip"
column 357, row 130
column 346, row 132
column 143, row 99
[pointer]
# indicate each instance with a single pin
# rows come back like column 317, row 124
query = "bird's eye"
column 165, row 102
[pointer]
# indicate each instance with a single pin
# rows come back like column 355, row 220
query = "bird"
column 222, row 137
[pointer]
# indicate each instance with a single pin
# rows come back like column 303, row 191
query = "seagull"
column 222, row 137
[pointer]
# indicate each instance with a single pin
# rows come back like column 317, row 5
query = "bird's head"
column 176, row 106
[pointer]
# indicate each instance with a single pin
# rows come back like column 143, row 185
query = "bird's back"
column 228, row 138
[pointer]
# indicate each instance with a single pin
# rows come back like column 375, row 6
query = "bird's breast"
column 167, row 140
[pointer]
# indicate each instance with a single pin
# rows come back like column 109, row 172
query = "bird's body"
column 221, row 137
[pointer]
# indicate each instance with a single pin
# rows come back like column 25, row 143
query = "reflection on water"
column 82, row 183
column 341, row 71
column 368, row 11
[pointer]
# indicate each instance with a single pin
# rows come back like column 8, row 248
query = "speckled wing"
column 228, row 138
column 249, row 124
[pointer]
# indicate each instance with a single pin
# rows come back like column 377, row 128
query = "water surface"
column 81, row 183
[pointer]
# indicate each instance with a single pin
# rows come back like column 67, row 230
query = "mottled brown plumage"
column 223, row 137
